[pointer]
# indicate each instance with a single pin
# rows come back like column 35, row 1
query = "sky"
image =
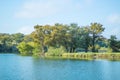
column 22, row 15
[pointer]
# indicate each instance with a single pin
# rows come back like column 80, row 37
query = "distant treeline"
column 8, row 42
column 67, row 38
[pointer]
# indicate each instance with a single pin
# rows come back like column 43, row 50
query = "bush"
column 55, row 51
column 25, row 48
column 105, row 50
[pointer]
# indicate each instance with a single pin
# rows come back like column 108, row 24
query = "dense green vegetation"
column 8, row 42
column 58, row 39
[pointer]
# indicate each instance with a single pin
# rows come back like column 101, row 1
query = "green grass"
column 87, row 56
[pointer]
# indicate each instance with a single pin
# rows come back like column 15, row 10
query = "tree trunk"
column 70, row 49
column 93, row 43
column 73, row 49
column 86, row 44
column 86, row 49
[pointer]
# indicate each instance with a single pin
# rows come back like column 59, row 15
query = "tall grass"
column 84, row 56
column 111, row 56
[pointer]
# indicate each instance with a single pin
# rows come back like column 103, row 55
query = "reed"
column 88, row 56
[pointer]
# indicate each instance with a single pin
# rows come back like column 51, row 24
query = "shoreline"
column 86, row 56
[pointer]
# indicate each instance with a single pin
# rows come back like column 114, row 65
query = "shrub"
column 25, row 48
column 105, row 50
column 55, row 51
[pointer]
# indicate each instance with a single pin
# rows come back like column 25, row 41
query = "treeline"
column 9, row 42
column 60, row 37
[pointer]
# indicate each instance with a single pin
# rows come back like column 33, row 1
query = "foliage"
column 105, row 50
column 89, row 56
column 114, row 44
column 55, row 51
column 95, row 29
column 49, row 39
column 36, row 48
column 8, row 42
column 25, row 48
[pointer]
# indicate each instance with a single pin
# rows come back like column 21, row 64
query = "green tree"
column 74, row 37
column 95, row 29
column 39, row 35
column 17, row 38
column 85, row 38
column 58, row 36
column 25, row 49
column 5, row 42
column 114, row 44
column 79, row 38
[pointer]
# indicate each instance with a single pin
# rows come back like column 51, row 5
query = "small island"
column 65, row 41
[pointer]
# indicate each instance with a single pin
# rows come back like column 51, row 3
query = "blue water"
column 15, row 67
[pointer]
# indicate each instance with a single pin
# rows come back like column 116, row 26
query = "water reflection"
column 14, row 67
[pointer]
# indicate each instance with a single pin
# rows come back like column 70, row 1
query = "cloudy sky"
column 22, row 15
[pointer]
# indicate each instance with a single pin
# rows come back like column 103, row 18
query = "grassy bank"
column 86, row 56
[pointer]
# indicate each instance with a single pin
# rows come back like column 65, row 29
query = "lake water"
column 15, row 67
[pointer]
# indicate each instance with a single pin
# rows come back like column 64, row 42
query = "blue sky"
column 22, row 15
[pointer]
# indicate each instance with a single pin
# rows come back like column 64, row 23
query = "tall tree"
column 86, row 38
column 95, row 29
column 74, row 32
column 39, row 35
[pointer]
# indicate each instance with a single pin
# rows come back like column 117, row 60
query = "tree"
column 79, row 38
column 28, row 38
column 39, row 35
column 74, row 32
column 25, row 49
column 114, row 44
column 58, row 36
column 85, row 38
column 17, row 38
column 4, row 42
column 95, row 29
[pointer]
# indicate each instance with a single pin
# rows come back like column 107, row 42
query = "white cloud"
column 44, row 8
column 35, row 9
column 25, row 30
column 114, row 19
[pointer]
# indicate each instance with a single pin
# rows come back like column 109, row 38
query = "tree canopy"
column 72, row 38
